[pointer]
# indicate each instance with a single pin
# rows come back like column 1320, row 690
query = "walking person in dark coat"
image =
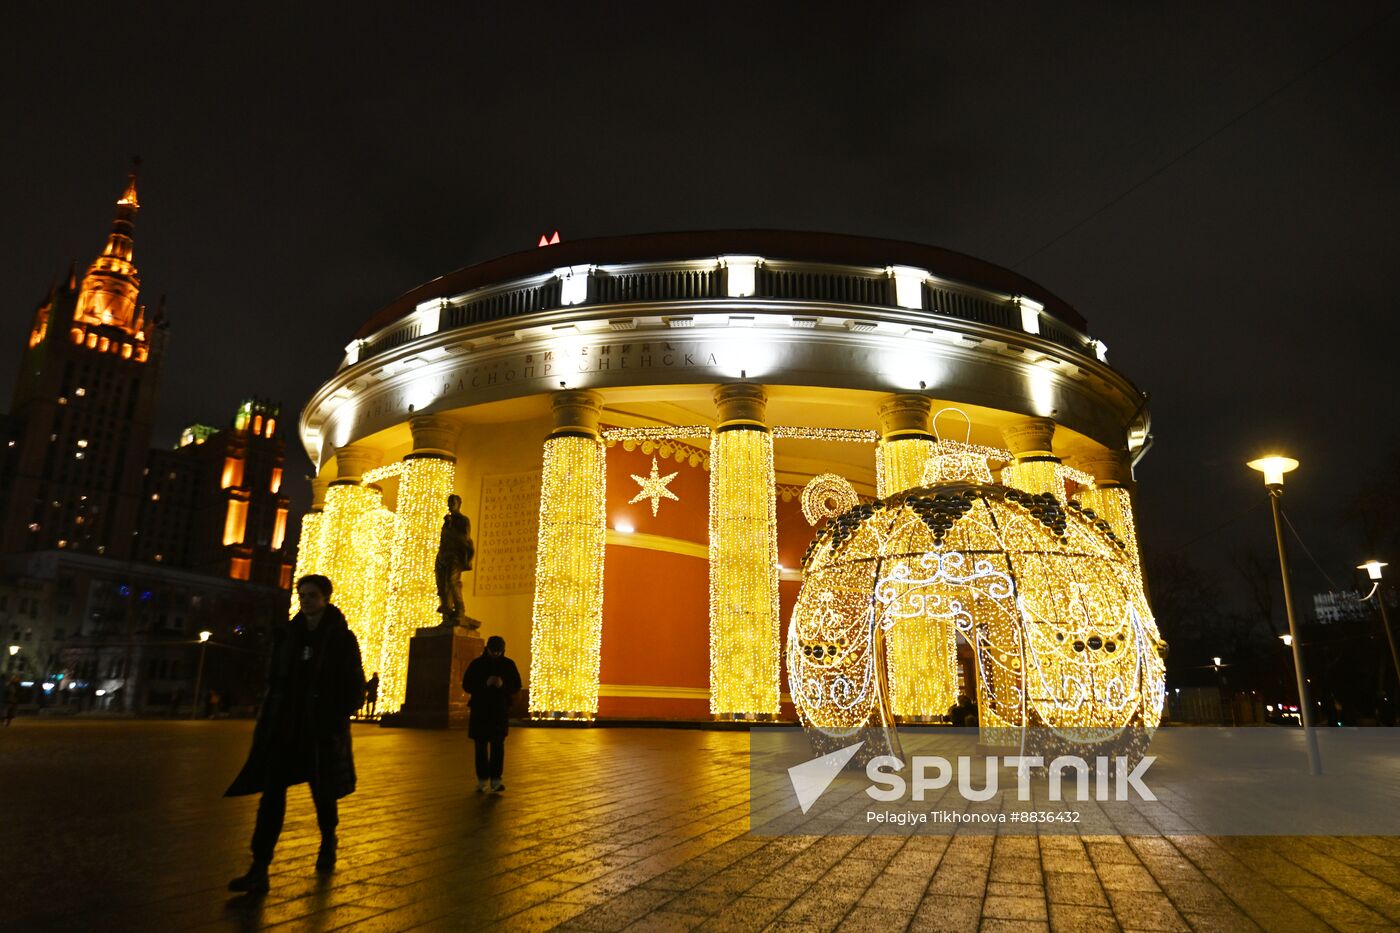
column 315, row 684
column 492, row 680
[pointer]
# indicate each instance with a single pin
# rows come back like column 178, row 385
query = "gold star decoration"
column 654, row 488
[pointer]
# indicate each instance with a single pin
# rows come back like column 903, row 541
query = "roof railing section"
column 743, row 277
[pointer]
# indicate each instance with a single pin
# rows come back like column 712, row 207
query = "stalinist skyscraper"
column 80, row 422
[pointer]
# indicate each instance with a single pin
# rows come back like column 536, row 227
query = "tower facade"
column 80, row 421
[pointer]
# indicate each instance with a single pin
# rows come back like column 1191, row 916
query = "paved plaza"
column 121, row 826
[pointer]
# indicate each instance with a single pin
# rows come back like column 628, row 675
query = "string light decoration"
column 1045, row 594
column 654, row 488
column 566, row 636
column 308, row 554
column 664, row 432
column 668, row 448
column 848, row 435
column 1045, row 475
column 425, row 482
column 744, row 630
column 381, row 473
column 899, row 464
column 827, row 496
column 1113, row 505
column 353, row 552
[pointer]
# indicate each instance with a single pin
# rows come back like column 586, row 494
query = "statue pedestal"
column 437, row 658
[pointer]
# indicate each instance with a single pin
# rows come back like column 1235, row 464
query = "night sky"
column 1213, row 187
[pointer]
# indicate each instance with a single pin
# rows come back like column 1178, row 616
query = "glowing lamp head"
column 1273, row 468
column 204, row 636
column 1216, row 661
column 1287, row 640
column 14, row 650
column 1373, row 568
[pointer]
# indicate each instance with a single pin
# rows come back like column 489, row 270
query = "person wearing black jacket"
column 492, row 680
column 315, row 684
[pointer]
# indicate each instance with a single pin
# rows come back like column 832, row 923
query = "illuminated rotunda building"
column 655, row 437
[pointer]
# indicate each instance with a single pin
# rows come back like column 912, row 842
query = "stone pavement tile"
column 1197, row 896
column 621, row 911
column 1118, row 876
column 914, row 864
column 331, row 919
column 702, row 903
column 1115, row 852
column 781, row 887
column 1227, row 922
column 875, row 920
column 1068, row 860
column 664, row 921
column 819, row 907
column 1172, row 868
column 965, row 850
column 1075, row 888
column 540, row 917
column 1013, row 889
column 1021, row 869
column 1027, row 846
column 1074, row 918
column 894, row 892
column 745, row 915
column 1274, row 910
column 1002, row 925
column 1014, row 908
column 940, row 913
column 1338, row 909
column 1145, row 910
column 958, row 879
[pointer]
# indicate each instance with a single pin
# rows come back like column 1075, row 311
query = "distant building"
column 80, row 421
column 114, row 556
column 1344, row 606
column 214, row 504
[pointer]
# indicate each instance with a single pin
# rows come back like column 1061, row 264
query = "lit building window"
column 235, row 521
column 276, row 479
column 233, row 473
column 155, row 497
column 271, row 426
column 240, row 568
column 82, row 442
column 80, row 391
column 279, row 529
column 257, row 424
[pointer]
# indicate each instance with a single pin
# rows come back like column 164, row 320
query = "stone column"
column 426, row 478
column 566, row 634
column 905, row 444
column 1111, row 498
column 745, row 642
column 1034, row 468
column 920, row 657
column 354, row 547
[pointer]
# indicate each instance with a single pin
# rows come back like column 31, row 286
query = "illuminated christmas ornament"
column 1047, row 594
column 654, row 488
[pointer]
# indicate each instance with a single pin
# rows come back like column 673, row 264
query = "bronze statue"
column 455, row 551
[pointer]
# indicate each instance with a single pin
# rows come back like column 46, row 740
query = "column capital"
column 434, row 434
column 351, row 462
column 319, row 485
column 1108, row 467
column 741, row 403
column 1030, row 438
column 576, row 411
column 905, row 414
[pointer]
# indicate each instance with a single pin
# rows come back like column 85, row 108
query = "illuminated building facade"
column 80, row 420
column 648, row 432
column 214, row 503
column 134, row 550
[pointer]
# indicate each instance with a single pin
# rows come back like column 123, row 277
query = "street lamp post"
column 1373, row 571
column 1273, row 469
column 199, row 677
